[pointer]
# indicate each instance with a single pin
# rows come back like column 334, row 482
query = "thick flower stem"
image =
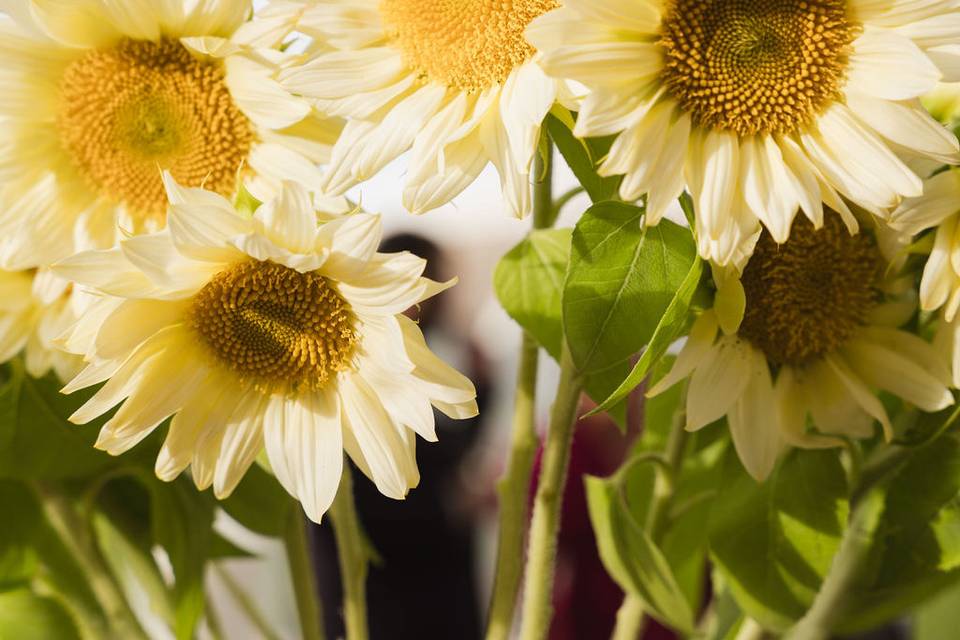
column 541, row 555
column 513, row 489
column 302, row 572
column 631, row 619
column 354, row 558
column 77, row 536
column 515, row 483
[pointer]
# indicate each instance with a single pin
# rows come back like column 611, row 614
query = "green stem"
column 76, row 535
column 246, row 604
column 354, row 558
column 631, row 619
column 302, row 573
column 513, row 488
column 544, row 528
column 830, row 605
column 543, row 208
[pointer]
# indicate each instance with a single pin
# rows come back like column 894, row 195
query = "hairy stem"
column 515, row 483
column 302, row 573
column 541, row 555
column 354, row 558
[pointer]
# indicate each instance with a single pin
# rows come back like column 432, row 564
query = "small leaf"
column 529, row 285
column 582, row 158
column 632, row 558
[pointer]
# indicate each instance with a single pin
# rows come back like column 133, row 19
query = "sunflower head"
column 139, row 106
column 468, row 45
column 806, row 297
column 756, row 67
column 277, row 327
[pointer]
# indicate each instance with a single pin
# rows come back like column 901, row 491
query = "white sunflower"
column 759, row 109
column 102, row 95
column 36, row 307
column 454, row 82
column 271, row 332
column 794, row 351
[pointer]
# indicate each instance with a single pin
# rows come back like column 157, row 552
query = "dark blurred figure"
column 426, row 586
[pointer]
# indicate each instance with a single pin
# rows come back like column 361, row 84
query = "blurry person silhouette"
column 425, row 588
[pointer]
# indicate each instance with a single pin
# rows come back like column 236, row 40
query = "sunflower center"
column 278, row 328
column 752, row 66
column 138, row 107
column 808, row 296
column 468, row 45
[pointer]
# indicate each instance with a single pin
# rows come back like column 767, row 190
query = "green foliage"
column 529, row 285
column 621, row 280
column 774, row 542
column 36, row 441
column 915, row 551
column 632, row 558
column 259, row 503
column 582, row 156
column 25, row 615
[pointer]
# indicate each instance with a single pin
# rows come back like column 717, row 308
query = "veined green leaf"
column 621, row 280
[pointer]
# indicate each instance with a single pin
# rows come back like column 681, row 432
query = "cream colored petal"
column 939, row 279
column 75, row 23
column 289, row 219
column 754, row 424
column 438, row 380
column 889, row 66
column 884, row 368
column 857, row 391
column 207, row 410
column 697, row 348
column 940, row 200
column 792, row 413
column 907, row 125
column 173, row 274
column 242, row 442
column 718, row 381
column 768, row 185
column 352, row 242
column 259, row 96
column 304, row 442
column 378, row 440
column 463, row 162
column 341, row 74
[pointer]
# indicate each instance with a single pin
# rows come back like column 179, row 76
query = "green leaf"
column 529, row 285
column 26, row 616
column 632, row 558
column 774, row 542
column 259, row 503
column 939, row 618
column 582, row 157
column 670, row 327
column 621, row 280
column 916, row 547
column 36, row 439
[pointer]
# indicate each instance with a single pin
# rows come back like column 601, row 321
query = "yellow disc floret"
column 275, row 327
column 809, row 295
column 468, row 45
column 756, row 66
column 131, row 110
